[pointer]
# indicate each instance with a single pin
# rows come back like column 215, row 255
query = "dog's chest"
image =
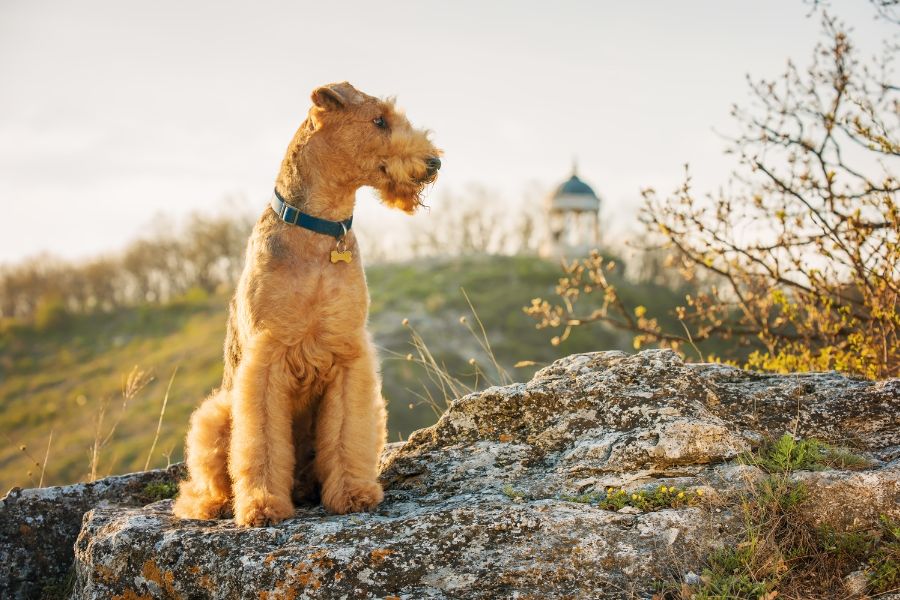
column 325, row 305
column 317, row 309
column 327, row 323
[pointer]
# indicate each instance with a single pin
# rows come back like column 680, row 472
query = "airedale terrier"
column 300, row 413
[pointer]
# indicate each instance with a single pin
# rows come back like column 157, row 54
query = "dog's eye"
column 380, row 123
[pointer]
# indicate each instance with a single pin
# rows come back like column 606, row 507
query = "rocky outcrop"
column 498, row 499
column 38, row 527
column 491, row 501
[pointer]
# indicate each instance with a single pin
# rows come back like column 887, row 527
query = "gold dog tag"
column 337, row 257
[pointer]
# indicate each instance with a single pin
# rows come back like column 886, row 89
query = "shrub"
column 49, row 313
column 798, row 267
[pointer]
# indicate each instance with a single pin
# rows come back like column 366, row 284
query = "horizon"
column 117, row 114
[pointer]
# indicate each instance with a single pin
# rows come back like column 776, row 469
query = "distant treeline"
column 206, row 253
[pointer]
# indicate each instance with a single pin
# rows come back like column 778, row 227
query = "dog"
column 299, row 415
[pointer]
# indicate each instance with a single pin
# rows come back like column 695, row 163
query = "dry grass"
column 46, row 458
column 162, row 413
column 440, row 386
column 132, row 384
column 784, row 550
column 31, row 462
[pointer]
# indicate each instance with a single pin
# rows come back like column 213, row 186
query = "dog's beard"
column 406, row 197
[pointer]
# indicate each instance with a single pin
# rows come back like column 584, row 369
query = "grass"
column 783, row 550
column 161, row 490
column 884, row 562
column 67, row 379
column 440, row 386
column 726, row 576
column 60, row 589
column 78, row 382
column 162, row 414
column 789, row 454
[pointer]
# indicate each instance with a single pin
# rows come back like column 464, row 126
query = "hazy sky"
column 112, row 112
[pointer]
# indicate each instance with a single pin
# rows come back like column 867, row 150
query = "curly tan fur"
column 299, row 414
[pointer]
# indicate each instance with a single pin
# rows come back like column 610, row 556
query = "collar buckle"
column 289, row 214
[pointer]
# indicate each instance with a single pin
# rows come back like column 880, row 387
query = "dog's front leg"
column 261, row 460
column 350, row 434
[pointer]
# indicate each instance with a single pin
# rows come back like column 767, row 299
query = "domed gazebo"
column 573, row 219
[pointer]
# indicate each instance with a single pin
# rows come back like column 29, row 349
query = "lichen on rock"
column 38, row 527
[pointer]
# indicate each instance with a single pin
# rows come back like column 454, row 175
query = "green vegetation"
column 798, row 557
column 644, row 500
column 512, row 493
column 73, row 381
column 60, row 589
column 63, row 379
column 789, row 454
column 726, row 576
column 884, row 561
column 784, row 549
column 161, row 490
column 797, row 265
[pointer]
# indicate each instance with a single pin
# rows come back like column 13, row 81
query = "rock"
column 848, row 500
column 855, row 584
column 850, row 412
column 38, row 527
column 463, row 547
column 494, row 500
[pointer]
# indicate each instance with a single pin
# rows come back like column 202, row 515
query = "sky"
column 113, row 112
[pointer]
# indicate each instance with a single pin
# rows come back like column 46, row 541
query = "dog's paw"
column 353, row 496
column 262, row 511
column 190, row 505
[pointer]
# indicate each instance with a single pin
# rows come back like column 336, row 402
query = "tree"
column 800, row 260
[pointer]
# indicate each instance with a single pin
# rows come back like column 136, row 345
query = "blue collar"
column 292, row 215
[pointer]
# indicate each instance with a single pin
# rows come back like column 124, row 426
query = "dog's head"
column 367, row 141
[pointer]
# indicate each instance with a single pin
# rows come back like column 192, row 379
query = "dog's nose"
column 433, row 163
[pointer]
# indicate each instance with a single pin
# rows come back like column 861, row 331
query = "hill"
column 69, row 379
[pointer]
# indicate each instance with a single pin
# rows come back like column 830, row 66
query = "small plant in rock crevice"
column 788, row 453
column 513, row 494
column 645, row 500
column 160, row 490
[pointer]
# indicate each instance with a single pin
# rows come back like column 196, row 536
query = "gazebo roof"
column 574, row 194
column 575, row 186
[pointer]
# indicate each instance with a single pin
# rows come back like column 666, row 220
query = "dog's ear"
column 329, row 97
